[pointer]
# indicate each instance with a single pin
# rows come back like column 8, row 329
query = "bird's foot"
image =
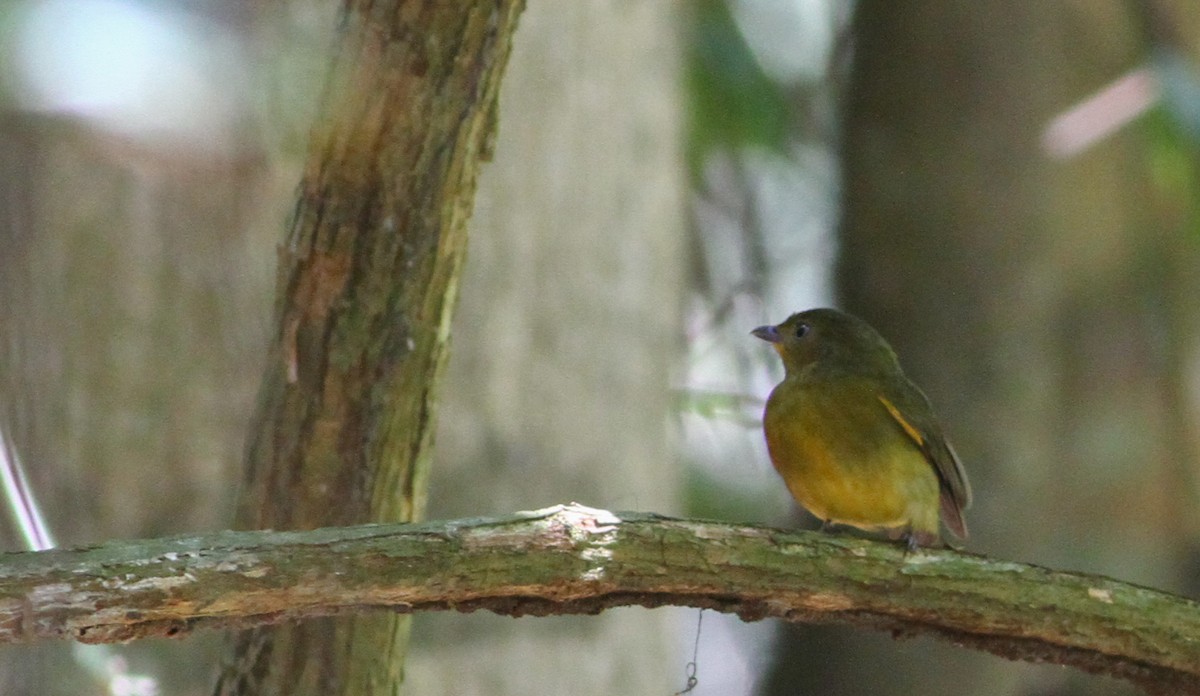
column 914, row 540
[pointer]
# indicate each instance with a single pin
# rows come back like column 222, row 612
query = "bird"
column 855, row 441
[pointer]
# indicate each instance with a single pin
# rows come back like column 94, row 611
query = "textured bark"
column 574, row 559
column 367, row 282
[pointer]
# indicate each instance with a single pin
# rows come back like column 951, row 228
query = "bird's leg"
column 827, row 526
column 914, row 540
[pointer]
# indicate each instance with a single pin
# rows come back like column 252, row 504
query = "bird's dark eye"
column 801, row 330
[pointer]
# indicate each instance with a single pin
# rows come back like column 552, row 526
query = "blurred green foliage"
column 732, row 102
column 1173, row 140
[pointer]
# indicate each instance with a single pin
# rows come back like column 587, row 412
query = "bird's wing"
column 915, row 416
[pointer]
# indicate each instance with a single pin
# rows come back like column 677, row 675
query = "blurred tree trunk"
column 558, row 389
column 367, row 283
column 1035, row 300
column 135, row 291
column 131, row 334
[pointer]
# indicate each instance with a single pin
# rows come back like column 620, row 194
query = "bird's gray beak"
column 769, row 334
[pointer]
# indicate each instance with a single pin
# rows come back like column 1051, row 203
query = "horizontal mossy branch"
column 578, row 560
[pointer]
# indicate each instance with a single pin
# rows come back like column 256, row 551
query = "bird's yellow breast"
column 845, row 458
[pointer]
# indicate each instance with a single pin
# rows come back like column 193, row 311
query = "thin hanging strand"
column 690, row 669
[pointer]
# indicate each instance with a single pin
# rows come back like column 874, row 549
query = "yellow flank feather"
column 912, row 432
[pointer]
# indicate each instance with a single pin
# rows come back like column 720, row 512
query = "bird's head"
column 829, row 339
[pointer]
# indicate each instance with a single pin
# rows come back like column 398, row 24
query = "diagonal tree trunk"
column 366, row 285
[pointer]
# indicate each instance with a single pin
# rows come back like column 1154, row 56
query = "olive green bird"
column 855, row 441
